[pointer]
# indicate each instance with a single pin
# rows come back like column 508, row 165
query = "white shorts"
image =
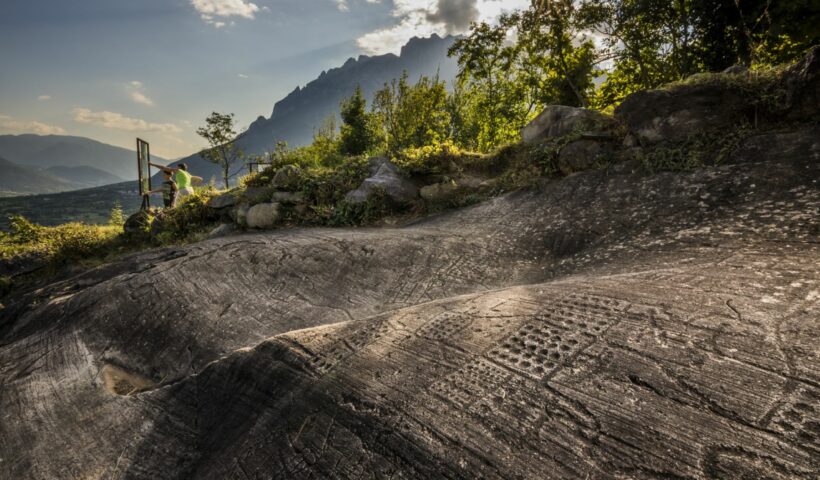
column 184, row 192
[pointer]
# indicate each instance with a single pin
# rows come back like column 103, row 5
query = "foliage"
column 412, row 115
column 117, row 217
column 697, row 150
column 70, row 242
column 187, row 220
column 358, row 135
column 220, row 133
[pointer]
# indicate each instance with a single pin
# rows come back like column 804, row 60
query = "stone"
column 159, row 224
column 582, row 155
column 388, row 182
column 225, row 200
column 376, row 163
column 558, row 120
column 438, row 192
column 240, row 214
column 802, row 82
column 222, row 230
column 671, row 115
column 138, row 223
column 597, row 326
column 263, row 215
column 287, row 177
column 254, row 195
column 736, row 70
column 289, row 198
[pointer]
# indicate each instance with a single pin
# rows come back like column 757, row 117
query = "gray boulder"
column 264, row 215
column 225, row 200
column 254, row 195
column 240, row 214
column 388, row 181
column 558, row 120
column 138, row 223
column 438, row 192
column 582, row 155
column 286, row 177
column 674, row 114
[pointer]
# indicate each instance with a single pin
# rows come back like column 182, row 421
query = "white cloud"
column 44, row 98
column 422, row 18
column 137, row 93
column 12, row 125
column 241, row 75
column 209, row 10
column 118, row 121
column 342, row 5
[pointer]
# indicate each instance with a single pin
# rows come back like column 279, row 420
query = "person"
column 169, row 190
column 184, row 180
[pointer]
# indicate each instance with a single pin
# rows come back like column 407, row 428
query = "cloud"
column 209, row 10
column 422, row 18
column 342, row 5
column 241, row 75
column 12, row 125
column 44, row 98
column 118, row 121
column 136, row 92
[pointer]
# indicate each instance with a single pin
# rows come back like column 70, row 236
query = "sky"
column 114, row 70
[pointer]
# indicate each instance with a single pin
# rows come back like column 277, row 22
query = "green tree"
column 412, row 115
column 220, row 133
column 357, row 135
column 116, row 218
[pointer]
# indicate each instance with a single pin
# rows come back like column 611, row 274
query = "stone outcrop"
column 286, row 177
column 263, row 215
column 438, row 192
column 558, row 120
column 387, row 181
column 608, row 325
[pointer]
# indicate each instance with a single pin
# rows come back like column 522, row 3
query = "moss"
column 696, row 151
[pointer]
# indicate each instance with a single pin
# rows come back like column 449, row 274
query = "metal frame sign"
column 143, row 159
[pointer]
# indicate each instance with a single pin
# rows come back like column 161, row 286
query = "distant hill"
column 92, row 205
column 295, row 117
column 85, row 176
column 19, row 180
column 45, row 151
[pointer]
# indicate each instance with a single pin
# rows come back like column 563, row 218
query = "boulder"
column 224, row 200
column 674, row 114
column 582, row 155
column 289, row 198
column 287, row 177
column 558, row 120
column 222, row 230
column 375, row 163
column 240, row 215
column 736, row 70
column 388, row 181
column 263, row 215
column 160, row 224
column 138, row 223
column 254, row 195
column 438, row 192
column 802, row 83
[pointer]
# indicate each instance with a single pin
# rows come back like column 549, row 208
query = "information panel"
column 143, row 157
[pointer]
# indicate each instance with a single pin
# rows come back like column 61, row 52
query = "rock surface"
column 438, row 192
column 387, row 181
column 263, row 215
column 225, row 200
column 582, row 155
column 558, row 120
column 603, row 326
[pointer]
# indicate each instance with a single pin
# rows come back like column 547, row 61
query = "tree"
column 116, row 218
column 219, row 131
column 412, row 116
column 357, row 135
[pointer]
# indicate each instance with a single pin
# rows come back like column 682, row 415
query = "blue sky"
column 113, row 70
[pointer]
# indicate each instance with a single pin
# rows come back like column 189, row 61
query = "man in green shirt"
column 184, row 180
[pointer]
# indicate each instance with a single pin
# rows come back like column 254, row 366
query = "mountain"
column 44, row 151
column 295, row 117
column 85, row 176
column 19, row 180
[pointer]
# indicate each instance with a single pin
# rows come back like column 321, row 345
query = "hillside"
column 19, row 180
column 298, row 115
column 84, row 176
column 44, row 151
column 91, row 205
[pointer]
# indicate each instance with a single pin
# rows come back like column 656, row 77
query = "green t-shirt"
column 183, row 179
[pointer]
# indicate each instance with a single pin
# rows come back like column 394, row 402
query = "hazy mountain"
column 44, row 151
column 295, row 117
column 19, row 180
column 84, row 176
